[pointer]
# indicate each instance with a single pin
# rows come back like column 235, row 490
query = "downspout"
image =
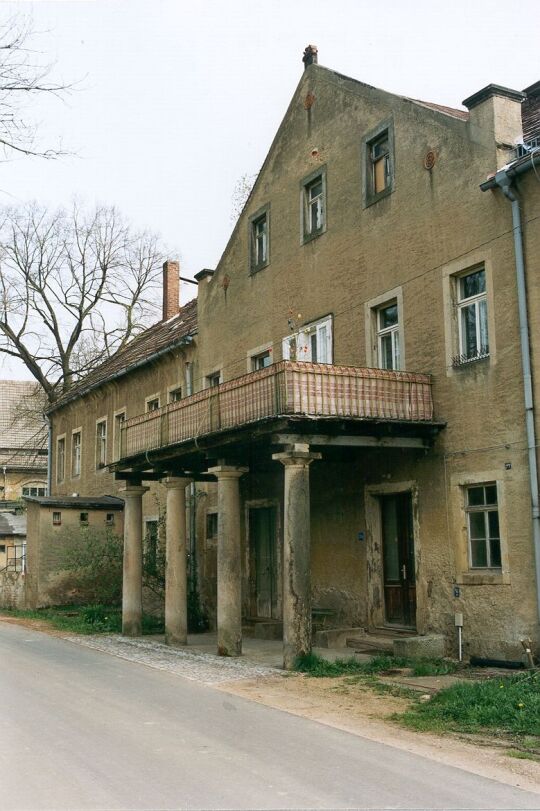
column 49, row 454
column 505, row 184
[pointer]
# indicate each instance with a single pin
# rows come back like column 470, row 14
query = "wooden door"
column 262, row 541
column 398, row 560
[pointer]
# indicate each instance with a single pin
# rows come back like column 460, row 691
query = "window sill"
column 461, row 362
column 371, row 199
column 484, row 577
column 256, row 268
column 310, row 237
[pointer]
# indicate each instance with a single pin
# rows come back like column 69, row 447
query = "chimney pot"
column 171, row 289
column 310, row 56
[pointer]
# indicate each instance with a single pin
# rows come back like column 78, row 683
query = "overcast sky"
column 176, row 100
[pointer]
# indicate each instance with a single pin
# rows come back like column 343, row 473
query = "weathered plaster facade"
column 406, row 243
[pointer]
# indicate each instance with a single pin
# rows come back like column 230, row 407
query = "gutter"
column 185, row 341
column 503, row 180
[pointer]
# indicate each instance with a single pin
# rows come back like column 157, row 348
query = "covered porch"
column 285, row 417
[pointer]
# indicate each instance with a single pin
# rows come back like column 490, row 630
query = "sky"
column 174, row 101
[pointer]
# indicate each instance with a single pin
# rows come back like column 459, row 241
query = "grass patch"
column 314, row 665
column 89, row 619
column 508, row 705
column 519, row 755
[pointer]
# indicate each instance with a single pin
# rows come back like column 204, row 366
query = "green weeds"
column 314, row 665
column 89, row 619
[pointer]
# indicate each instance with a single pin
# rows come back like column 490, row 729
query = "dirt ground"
column 357, row 709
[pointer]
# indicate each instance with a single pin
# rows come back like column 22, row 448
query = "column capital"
column 130, row 491
column 228, row 471
column 298, row 455
column 176, row 482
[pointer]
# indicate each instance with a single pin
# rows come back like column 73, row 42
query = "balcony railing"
column 286, row 388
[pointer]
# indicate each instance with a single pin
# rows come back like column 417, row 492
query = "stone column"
column 296, row 553
column 229, row 560
column 176, row 562
column 133, row 553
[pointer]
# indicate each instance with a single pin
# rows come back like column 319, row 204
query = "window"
column 152, row 403
column 259, row 239
column 213, row 380
column 312, row 343
column 109, row 519
column 60, row 459
column 101, row 444
column 2, row 548
column 76, row 439
column 483, row 526
column 175, row 394
column 34, row 489
column 314, row 205
column 211, row 525
column 388, row 336
column 83, row 518
column 472, row 317
column 119, row 420
column 378, row 163
column 261, row 361
column 56, row 519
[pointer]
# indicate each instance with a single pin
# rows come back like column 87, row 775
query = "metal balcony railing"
column 286, row 388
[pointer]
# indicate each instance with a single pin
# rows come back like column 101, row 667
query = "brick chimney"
column 171, row 289
column 310, row 56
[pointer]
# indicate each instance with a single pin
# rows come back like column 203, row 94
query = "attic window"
column 314, row 205
column 259, row 225
column 378, row 163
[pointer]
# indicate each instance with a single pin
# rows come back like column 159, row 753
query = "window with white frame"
column 152, row 403
column 34, row 489
column 101, row 444
column 312, row 343
column 261, row 360
column 314, row 205
column 76, row 446
column 472, row 317
column 481, row 506
column 388, row 347
column 60, row 459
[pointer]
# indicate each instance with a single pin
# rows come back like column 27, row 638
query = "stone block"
column 420, row 647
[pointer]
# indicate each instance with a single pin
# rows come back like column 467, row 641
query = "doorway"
column 263, row 563
column 398, row 560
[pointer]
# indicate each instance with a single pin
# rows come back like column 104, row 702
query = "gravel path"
column 205, row 668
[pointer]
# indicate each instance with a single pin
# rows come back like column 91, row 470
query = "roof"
column 21, row 421
column 35, row 460
column 76, row 502
column 530, row 112
column 440, row 108
column 154, row 341
column 12, row 524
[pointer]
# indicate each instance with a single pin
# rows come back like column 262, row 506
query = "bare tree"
column 24, row 77
column 75, row 287
column 240, row 195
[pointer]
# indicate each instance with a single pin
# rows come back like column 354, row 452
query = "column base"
column 131, row 628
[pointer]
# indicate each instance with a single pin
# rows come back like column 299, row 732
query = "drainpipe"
column 49, row 455
column 505, row 184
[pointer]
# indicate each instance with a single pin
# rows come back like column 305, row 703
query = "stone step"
column 256, row 628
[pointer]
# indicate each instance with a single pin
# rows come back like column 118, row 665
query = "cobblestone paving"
column 206, row 668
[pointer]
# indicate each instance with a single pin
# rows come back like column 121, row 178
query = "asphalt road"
column 80, row 729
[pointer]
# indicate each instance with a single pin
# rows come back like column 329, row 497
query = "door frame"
column 254, row 504
column 374, row 553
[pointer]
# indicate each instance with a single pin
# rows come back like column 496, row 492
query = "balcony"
column 286, row 389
